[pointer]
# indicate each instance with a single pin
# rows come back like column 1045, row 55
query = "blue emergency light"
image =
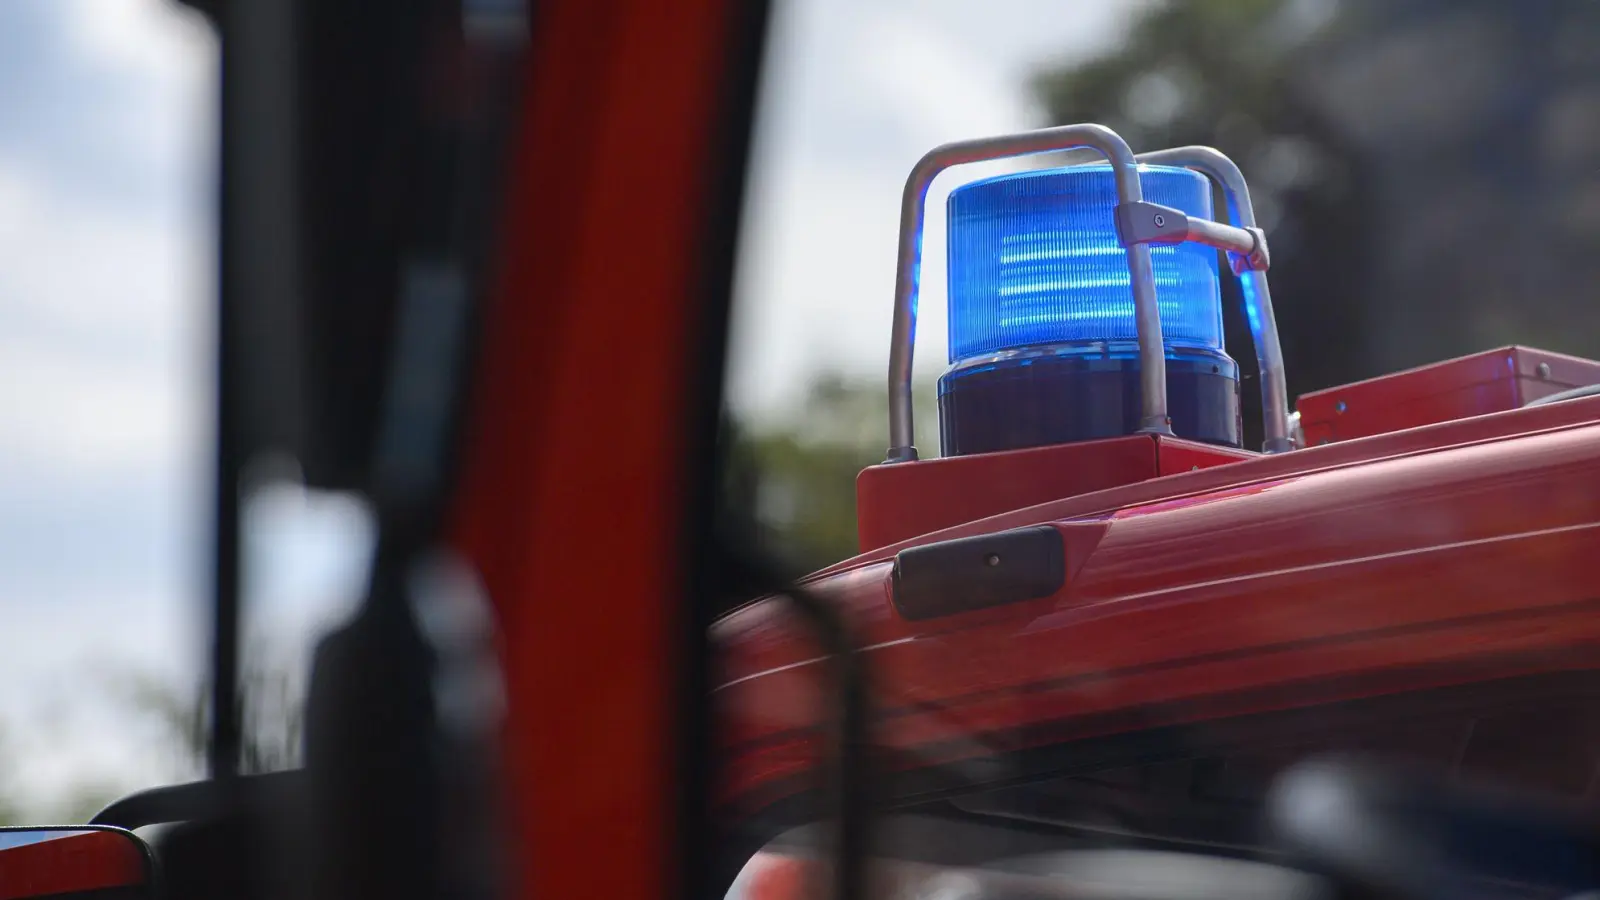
column 1043, row 339
column 1084, row 300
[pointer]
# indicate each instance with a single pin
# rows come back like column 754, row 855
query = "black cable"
column 848, row 775
column 848, row 798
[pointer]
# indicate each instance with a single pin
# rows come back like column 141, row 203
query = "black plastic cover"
column 1039, row 401
column 978, row 572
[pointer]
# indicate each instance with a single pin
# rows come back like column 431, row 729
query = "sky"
column 104, row 270
column 106, row 164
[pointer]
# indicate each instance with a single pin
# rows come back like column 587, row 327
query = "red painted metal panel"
column 898, row 502
column 87, row 861
column 578, row 458
column 1175, row 456
column 1483, row 383
column 1410, row 571
column 1259, row 468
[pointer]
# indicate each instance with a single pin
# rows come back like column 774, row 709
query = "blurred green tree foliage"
column 796, row 476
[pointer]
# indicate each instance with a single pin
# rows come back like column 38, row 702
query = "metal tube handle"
column 1214, row 164
column 1147, row 317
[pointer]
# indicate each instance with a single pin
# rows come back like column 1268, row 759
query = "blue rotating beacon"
column 1084, row 300
column 1044, row 346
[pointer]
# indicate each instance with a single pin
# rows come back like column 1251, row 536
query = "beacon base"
column 1033, row 400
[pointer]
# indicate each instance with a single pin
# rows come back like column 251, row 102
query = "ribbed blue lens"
column 1034, row 259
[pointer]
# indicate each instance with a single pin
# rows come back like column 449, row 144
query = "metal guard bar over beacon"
column 1139, row 224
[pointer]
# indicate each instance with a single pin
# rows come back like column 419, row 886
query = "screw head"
column 1543, row 370
column 992, row 560
column 1161, row 221
column 1340, row 407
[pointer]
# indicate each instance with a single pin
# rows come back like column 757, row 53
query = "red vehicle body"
column 99, row 864
column 1202, row 595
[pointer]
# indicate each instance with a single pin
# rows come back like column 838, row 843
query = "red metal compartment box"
column 899, row 501
column 1483, row 383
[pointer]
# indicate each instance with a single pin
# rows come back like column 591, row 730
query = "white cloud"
column 930, row 79
column 168, row 51
column 92, row 266
column 99, row 315
column 67, row 412
column 152, row 40
column 103, row 312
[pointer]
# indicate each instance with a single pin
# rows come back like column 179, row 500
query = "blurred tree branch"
column 271, row 702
